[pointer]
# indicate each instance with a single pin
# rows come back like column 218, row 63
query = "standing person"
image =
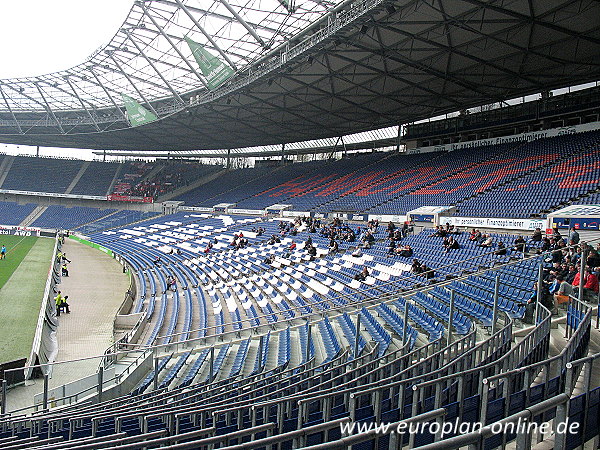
column 574, row 238
column 3, row 252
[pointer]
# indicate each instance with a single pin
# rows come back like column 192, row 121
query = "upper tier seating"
column 41, row 174
column 96, row 179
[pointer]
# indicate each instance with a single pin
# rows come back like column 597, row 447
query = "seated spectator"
column 333, row 246
column 571, row 273
column 590, row 284
column 390, row 226
column 157, row 261
column 519, row 244
column 487, row 241
column 416, row 267
column 475, row 235
column 405, row 251
column 451, row 244
column 537, row 235
column 357, row 253
column 439, row 232
column 269, row 259
column 362, row 276
column 501, row 249
column 391, row 247
column 312, row 251
column 561, row 294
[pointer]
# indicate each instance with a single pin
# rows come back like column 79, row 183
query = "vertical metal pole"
column 3, row 404
column 45, row 397
column 584, row 253
column 405, row 324
column 261, row 345
column 538, row 302
column 450, row 317
column 308, row 341
column 495, row 310
column 357, row 335
column 100, row 382
column 212, row 364
column 155, row 371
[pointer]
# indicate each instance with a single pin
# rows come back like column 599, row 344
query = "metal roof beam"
column 110, row 54
column 203, row 31
column 139, row 49
column 241, row 20
column 170, row 41
column 10, row 109
column 48, row 107
column 82, row 103
column 224, row 17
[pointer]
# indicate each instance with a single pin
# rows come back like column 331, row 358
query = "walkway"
column 96, row 287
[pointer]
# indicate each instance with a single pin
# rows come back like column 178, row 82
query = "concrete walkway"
column 96, row 288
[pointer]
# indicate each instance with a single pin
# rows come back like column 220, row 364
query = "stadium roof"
column 303, row 69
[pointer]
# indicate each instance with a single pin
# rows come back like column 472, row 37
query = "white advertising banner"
column 387, row 217
column 486, row 222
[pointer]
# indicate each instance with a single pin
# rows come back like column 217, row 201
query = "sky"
column 44, row 36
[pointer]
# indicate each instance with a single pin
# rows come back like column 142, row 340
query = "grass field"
column 17, row 248
column 23, row 276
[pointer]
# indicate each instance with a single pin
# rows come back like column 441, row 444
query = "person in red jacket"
column 590, row 284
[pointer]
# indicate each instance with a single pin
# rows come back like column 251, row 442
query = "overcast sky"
column 43, row 36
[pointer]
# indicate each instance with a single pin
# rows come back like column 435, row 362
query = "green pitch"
column 23, row 275
column 16, row 249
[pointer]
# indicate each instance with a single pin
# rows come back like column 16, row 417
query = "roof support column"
column 10, row 109
column 111, row 56
column 82, row 103
column 153, row 66
column 243, row 22
column 48, row 108
column 282, row 153
column 208, row 36
column 170, row 41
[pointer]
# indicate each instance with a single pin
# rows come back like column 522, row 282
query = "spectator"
column 561, row 294
column 416, row 267
column 487, row 241
column 362, row 276
column 451, row 244
column 357, row 253
column 333, row 246
column 519, row 244
column 501, row 250
column 475, row 236
column 574, row 237
column 537, row 235
column 405, row 251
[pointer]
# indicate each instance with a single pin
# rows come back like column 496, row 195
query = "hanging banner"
column 136, row 113
column 128, row 198
column 214, row 70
